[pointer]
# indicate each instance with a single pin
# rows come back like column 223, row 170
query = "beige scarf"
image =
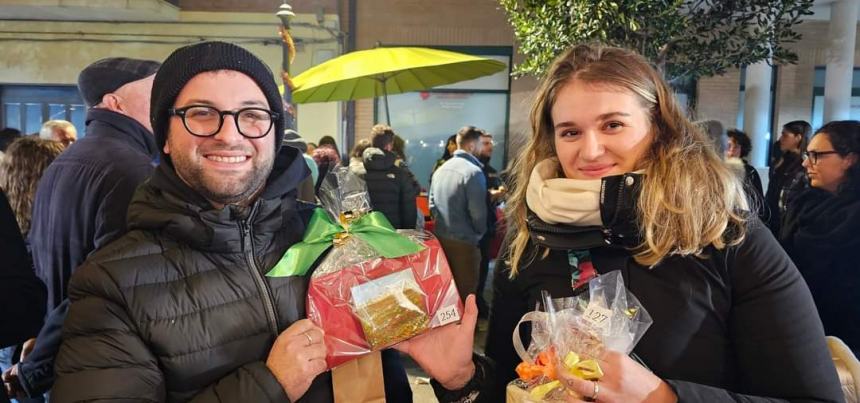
column 561, row 200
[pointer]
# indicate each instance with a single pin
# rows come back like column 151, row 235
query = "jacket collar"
column 167, row 205
column 469, row 157
column 379, row 160
column 618, row 197
column 123, row 127
column 825, row 223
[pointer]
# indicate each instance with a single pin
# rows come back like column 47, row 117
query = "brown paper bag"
column 359, row 381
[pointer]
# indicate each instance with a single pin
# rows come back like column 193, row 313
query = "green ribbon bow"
column 372, row 228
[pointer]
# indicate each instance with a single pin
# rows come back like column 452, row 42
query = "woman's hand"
column 446, row 352
column 624, row 381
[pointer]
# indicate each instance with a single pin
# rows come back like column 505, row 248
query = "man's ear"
column 850, row 160
column 166, row 147
column 111, row 102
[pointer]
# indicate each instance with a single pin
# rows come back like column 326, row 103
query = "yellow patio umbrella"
column 382, row 71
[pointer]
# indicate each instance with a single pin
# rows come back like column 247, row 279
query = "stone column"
column 840, row 60
column 757, row 110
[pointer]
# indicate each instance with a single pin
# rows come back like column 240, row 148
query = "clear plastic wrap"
column 365, row 301
column 571, row 334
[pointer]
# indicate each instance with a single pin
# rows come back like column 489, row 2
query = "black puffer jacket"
column 179, row 308
column 739, row 326
column 392, row 188
column 821, row 233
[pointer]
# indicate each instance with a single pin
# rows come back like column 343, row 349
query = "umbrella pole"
column 387, row 113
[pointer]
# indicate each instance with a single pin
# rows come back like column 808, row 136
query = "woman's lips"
column 596, row 170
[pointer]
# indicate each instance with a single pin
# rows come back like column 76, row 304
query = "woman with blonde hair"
column 20, row 170
column 615, row 177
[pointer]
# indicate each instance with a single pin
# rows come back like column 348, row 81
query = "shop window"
column 426, row 119
column 26, row 107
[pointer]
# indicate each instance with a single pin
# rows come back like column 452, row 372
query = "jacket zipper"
column 265, row 292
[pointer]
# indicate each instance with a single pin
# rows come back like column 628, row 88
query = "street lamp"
column 285, row 13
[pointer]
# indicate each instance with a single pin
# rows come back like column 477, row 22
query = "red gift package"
column 375, row 303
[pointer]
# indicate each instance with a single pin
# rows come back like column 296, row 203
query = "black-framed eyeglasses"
column 206, row 121
column 815, row 155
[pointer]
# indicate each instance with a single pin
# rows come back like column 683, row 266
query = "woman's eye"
column 568, row 133
column 614, row 125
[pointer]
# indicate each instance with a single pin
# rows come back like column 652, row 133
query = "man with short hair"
column 179, row 308
column 82, row 198
column 458, row 202
column 392, row 188
column 495, row 192
column 58, row 130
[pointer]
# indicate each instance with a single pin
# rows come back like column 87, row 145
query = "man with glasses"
column 180, row 309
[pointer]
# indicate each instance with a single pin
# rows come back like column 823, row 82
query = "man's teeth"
column 230, row 160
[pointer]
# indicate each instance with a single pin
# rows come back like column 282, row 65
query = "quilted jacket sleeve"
column 774, row 326
column 103, row 358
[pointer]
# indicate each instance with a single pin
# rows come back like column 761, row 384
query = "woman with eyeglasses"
column 821, row 230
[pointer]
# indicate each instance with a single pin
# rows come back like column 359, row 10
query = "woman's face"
column 451, row 146
column 829, row 171
column 789, row 141
column 733, row 150
column 599, row 130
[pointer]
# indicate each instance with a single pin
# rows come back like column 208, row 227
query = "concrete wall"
column 54, row 52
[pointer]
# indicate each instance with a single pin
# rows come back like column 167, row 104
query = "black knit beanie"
column 186, row 62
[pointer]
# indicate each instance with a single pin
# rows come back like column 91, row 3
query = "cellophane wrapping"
column 365, row 302
column 572, row 334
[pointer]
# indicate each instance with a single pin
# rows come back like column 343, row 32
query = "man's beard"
column 233, row 190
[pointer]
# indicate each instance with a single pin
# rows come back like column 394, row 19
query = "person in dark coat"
column 22, row 298
column 495, row 193
column 22, row 294
column 733, row 318
column 327, row 159
column 82, row 198
column 787, row 177
column 392, row 189
column 450, row 147
column 821, row 230
column 738, row 147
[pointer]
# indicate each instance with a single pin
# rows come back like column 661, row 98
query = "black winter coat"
column 392, row 189
column 787, row 181
column 80, row 206
column 83, row 196
column 179, row 308
column 22, row 295
column 739, row 326
column 821, row 233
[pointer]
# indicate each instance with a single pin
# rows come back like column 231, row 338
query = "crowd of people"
column 136, row 255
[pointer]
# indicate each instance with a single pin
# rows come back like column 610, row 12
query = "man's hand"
column 27, row 348
column 11, row 384
column 446, row 352
column 297, row 357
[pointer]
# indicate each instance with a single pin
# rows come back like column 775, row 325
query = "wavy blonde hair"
column 20, row 170
column 689, row 201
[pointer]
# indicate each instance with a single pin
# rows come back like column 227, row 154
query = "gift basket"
column 373, row 286
column 571, row 334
